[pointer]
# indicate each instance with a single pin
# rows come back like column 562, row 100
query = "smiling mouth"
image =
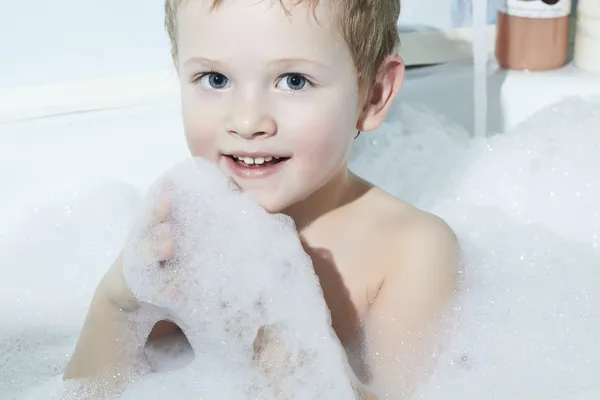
column 256, row 162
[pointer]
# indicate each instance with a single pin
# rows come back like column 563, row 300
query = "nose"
column 251, row 120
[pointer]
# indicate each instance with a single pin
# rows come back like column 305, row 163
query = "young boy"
column 274, row 93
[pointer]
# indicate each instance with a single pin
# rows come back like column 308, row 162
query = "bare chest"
column 349, row 283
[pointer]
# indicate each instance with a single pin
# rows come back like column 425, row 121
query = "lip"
column 255, row 154
column 254, row 172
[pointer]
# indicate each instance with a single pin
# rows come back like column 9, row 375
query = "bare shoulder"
column 413, row 238
column 418, row 255
column 423, row 231
column 404, row 218
column 419, row 258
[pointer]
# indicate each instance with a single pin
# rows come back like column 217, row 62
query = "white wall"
column 426, row 12
column 52, row 41
column 46, row 42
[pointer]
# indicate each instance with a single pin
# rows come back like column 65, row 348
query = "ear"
column 386, row 87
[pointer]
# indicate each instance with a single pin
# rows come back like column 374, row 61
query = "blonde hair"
column 368, row 27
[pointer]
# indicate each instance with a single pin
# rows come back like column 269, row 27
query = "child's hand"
column 278, row 360
column 157, row 248
column 273, row 358
column 109, row 342
column 269, row 351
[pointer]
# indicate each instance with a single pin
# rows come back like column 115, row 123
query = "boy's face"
column 259, row 83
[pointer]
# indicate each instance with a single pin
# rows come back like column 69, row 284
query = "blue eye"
column 294, row 82
column 214, row 80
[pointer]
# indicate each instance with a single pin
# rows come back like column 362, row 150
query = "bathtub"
column 62, row 146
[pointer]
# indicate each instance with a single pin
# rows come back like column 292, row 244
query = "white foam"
column 528, row 320
column 524, row 205
column 546, row 171
column 53, row 260
column 237, row 269
column 525, row 208
column 416, row 155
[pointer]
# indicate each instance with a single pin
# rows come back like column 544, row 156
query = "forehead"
column 258, row 26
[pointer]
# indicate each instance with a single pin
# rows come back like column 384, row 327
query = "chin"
column 268, row 201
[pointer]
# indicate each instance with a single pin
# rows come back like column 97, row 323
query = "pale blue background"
column 462, row 12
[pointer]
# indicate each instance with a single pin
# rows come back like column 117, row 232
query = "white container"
column 587, row 36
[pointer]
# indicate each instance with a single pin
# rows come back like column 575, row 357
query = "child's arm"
column 402, row 322
column 104, row 342
column 106, row 339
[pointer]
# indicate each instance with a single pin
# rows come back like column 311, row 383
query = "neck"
column 328, row 198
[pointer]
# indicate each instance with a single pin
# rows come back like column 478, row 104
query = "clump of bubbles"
column 524, row 205
column 239, row 276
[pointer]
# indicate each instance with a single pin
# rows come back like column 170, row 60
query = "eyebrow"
column 279, row 62
column 201, row 60
column 293, row 61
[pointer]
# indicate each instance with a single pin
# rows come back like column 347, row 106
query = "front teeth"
column 257, row 160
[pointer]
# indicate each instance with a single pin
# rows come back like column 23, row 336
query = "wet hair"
column 369, row 27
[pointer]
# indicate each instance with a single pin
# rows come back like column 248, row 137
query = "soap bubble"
column 236, row 270
column 524, row 205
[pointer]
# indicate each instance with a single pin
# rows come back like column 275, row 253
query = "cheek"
column 324, row 141
column 199, row 131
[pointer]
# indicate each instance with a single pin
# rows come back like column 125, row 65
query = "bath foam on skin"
column 525, row 208
column 237, row 269
column 524, row 205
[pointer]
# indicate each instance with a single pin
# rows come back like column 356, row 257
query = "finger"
column 161, row 206
column 162, row 236
column 161, row 232
column 161, row 210
column 156, row 212
column 166, row 251
column 267, row 338
column 259, row 343
column 158, row 245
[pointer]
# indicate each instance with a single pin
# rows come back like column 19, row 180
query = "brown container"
column 534, row 44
